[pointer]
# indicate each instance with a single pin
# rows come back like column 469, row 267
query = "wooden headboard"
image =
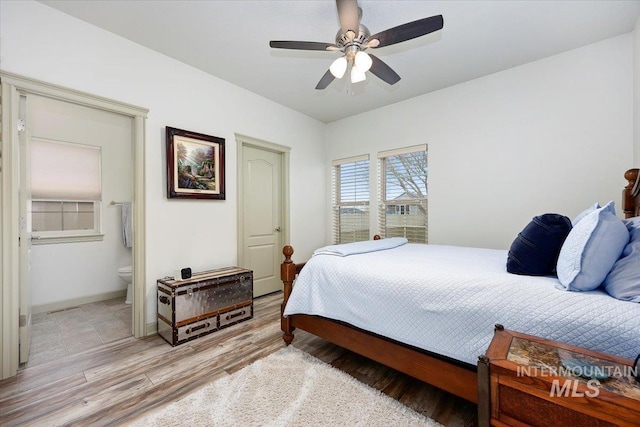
column 631, row 194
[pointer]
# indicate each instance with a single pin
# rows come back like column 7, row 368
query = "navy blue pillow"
column 535, row 251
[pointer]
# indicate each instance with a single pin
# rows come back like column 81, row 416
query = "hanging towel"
column 126, row 224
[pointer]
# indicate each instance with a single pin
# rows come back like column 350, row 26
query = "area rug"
column 287, row 388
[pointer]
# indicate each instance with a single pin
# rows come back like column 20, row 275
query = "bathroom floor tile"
column 42, row 318
column 59, row 333
column 72, row 324
column 123, row 314
column 98, row 318
column 95, row 308
column 80, row 328
column 44, row 328
column 114, row 301
column 110, row 324
column 44, row 344
column 71, row 313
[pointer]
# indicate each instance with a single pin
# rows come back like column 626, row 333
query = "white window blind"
column 403, row 197
column 66, row 190
column 65, row 171
column 350, row 194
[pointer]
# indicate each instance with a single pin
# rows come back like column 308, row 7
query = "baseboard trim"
column 61, row 305
column 151, row 329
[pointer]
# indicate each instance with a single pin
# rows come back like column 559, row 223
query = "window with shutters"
column 402, row 197
column 350, row 194
column 66, row 191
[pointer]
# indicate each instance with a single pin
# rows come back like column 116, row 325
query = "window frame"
column 72, row 235
column 42, row 237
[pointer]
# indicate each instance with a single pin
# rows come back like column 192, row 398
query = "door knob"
column 277, row 229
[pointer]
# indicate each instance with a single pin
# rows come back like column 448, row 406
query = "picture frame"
column 195, row 165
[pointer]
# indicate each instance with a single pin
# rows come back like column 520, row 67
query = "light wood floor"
column 123, row 379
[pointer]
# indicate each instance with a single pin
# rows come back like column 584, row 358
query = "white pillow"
column 591, row 249
column 584, row 213
column 623, row 281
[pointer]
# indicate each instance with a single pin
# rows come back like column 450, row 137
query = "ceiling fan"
column 353, row 39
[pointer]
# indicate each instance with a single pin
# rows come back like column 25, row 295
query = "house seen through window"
column 403, row 194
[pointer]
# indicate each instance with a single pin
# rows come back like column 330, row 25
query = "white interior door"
column 25, row 234
column 262, row 217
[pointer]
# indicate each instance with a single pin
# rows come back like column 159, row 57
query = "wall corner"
column 636, row 94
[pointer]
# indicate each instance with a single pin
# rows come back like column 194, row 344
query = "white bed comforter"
column 446, row 299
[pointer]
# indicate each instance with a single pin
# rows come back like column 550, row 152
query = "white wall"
column 62, row 272
column 42, row 43
column 550, row 136
column 636, row 94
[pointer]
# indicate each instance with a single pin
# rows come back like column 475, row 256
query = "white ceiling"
column 230, row 40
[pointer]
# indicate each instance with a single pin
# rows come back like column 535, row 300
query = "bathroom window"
column 66, row 192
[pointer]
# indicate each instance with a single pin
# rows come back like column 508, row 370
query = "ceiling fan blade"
column 349, row 19
column 302, row 45
column 383, row 71
column 325, row 80
column 408, row 31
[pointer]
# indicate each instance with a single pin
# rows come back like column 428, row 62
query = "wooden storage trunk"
column 522, row 381
column 206, row 302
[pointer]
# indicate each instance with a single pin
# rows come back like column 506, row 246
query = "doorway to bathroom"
column 76, row 188
column 61, row 273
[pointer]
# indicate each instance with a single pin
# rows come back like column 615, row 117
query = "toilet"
column 126, row 275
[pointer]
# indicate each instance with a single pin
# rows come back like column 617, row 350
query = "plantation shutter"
column 402, row 194
column 350, row 195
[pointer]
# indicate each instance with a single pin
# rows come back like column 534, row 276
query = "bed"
column 438, row 337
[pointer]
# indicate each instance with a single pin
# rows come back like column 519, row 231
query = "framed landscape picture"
column 195, row 165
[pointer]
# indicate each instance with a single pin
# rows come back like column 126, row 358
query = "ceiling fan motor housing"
column 351, row 46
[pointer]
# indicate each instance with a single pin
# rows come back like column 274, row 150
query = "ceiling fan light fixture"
column 353, row 38
column 357, row 75
column 362, row 61
column 339, row 67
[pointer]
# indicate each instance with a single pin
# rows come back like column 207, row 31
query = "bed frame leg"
column 484, row 392
column 287, row 275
